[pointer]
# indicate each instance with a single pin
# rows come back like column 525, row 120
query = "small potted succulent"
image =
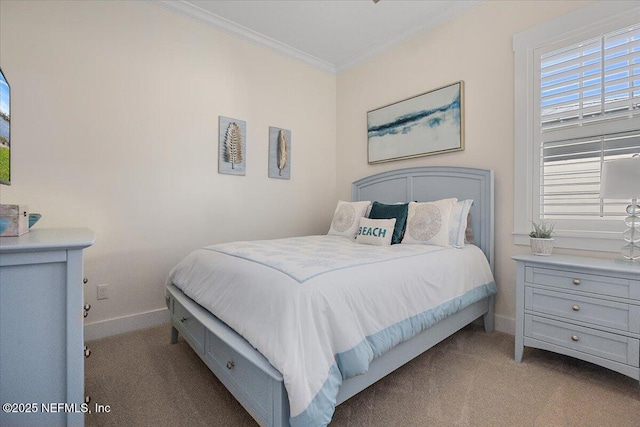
column 540, row 238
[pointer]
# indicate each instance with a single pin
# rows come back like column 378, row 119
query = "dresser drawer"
column 576, row 280
column 599, row 312
column 601, row 344
column 189, row 327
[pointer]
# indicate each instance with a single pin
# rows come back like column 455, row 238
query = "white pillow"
column 347, row 217
column 375, row 231
column 458, row 223
column 428, row 223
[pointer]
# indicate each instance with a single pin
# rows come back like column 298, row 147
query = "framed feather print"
column 426, row 124
column 279, row 153
column 232, row 151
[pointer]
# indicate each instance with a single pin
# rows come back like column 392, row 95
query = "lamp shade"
column 621, row 179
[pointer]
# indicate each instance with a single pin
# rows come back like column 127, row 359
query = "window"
column 577, row 104
column 589, row 94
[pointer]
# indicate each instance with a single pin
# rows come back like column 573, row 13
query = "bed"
column 248, row 374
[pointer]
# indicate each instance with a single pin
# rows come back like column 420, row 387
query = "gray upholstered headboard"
column 428, row 183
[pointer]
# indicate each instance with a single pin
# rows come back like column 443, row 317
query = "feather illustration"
column 233, row 145
column 282, row 151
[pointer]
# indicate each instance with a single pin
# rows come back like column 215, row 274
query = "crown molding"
column 190, row 10
column 454, row 9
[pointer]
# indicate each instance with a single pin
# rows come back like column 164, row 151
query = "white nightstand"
column 587, row 308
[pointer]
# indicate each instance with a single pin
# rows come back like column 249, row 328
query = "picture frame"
column 423, row 125
column 232, row 147
column 279, row 153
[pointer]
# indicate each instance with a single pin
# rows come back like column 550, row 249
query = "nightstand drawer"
column 189, row 327
column 578, row 281
column 601, row 344
column 599, row 312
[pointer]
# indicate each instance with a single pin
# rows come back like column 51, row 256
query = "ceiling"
column 332, row 35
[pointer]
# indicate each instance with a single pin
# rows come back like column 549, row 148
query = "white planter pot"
column 542, row 247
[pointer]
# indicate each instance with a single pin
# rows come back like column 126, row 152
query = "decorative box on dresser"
column 587, row 308
column 41, row 327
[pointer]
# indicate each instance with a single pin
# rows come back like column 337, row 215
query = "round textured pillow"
column 425, row 224
column 343, row 219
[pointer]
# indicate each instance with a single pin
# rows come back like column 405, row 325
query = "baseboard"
column 149, row 319
column 121, row 325
column 504, row 324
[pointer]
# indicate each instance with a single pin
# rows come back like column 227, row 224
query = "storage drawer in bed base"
column 259, row 387
column 190, row 328
column 257, row 392
column 248, row 376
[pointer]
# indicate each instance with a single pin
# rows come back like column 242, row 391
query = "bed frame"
column 256, row 384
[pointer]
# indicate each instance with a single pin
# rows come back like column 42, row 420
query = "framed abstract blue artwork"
column 426, row 124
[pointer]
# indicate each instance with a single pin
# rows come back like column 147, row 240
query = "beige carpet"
column 469, row 379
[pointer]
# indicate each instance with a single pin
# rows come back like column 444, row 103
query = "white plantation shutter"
column 570, row 176
column 588, row 97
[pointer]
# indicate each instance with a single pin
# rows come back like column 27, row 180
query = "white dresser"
column 41, row 327
column 588, row 308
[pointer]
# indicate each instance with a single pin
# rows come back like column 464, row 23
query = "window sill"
column 587, row 241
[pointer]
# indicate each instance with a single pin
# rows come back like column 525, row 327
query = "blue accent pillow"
column 398, row 211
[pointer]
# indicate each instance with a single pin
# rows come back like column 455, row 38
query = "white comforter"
column 320, row 308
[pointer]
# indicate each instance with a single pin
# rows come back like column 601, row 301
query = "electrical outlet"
column 103, row 291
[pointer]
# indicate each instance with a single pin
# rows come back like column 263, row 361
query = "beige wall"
column 115, row 111
column 115, row 108
column 475, row 47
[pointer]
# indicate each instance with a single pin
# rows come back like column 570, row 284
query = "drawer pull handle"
column 576, row 282
column 183, row 319
column 576, row 307
column 575, row 337
column 230, row 365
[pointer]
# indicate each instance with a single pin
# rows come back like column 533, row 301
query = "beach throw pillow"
column 377, row 232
